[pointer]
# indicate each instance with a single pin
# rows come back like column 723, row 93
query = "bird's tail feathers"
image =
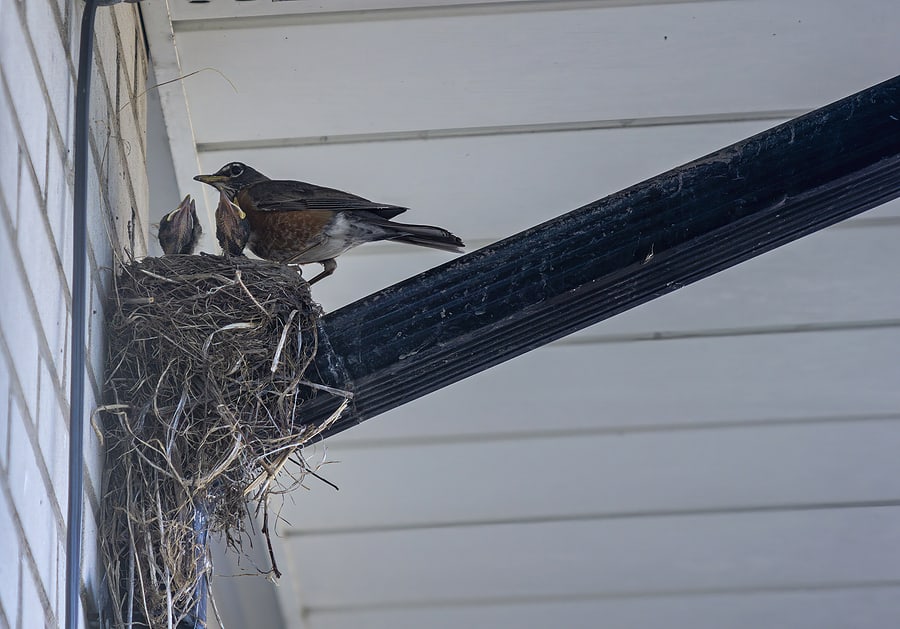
column 425, row 236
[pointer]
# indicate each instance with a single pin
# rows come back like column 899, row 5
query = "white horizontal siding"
column 190, row 16
column 869, row 608
column 600, row 476
column 635, row 555
column 521, row 68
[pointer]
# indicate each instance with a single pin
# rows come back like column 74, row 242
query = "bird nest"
column 206, row 384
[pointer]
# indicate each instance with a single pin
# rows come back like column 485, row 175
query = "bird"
column 294, row 222
column 179, row 230
column 232, row 226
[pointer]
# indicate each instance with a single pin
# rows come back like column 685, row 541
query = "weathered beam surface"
column 614, row 254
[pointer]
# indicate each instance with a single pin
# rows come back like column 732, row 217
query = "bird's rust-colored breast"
column 281, row 235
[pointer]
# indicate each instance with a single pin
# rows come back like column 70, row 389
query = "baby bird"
column 179, row 230
column 232, row 226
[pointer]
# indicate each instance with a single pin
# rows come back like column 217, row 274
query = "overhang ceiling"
column 724, row 456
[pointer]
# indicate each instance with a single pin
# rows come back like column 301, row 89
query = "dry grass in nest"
column 206, row 383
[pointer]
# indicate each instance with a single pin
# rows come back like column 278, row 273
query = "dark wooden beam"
column 614, row 254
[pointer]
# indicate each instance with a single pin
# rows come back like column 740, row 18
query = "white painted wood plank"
column 287, row 8
column 641, row 555
column 662, row 382
column 167, row 68
column 539, row 67
column 601, row 475
column 875, row 608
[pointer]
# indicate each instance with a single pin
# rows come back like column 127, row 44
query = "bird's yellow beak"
column 212, row 180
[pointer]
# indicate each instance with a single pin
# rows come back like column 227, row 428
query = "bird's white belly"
column 340, row 236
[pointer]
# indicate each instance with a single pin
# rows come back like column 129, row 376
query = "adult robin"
column 232, row 226
column 299, row 223
column 179, row 230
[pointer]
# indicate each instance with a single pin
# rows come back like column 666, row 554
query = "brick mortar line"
column 27, row 553
column 132, row 195
column 45, row 219
column 46, row 355
column 34, row 440
column 108, row 216
column 98, row 161
column 131, row 87
column 129, row 184
column 30, row 428
column 95, row 384
column 43, row 345
column 32, row 53
column 64, row 37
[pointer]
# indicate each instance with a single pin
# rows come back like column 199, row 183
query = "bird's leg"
column 328, row 267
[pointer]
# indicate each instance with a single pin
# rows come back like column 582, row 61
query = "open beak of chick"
column 179, row 230
column 232, row 226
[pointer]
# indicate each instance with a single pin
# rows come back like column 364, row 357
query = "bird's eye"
column 236, row 170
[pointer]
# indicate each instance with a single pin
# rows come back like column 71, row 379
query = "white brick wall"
column 38, row 57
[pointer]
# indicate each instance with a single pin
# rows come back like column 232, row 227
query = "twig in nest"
column 321, row 387
column 277, row 356
column 324, row 480
column 156, row 276
column 170, row 612
column 138, row 301
column 100, row 409
column 268, row 536
column 225, row 328
column 237, row 278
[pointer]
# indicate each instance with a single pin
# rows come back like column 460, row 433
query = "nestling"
column 232, row 226
column 179, row 230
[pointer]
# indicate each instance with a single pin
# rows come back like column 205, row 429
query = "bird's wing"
column 293, row 196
